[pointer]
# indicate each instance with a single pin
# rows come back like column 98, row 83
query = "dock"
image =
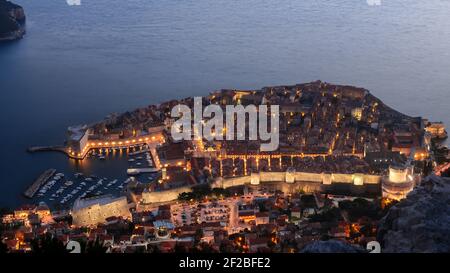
column 139, row 152
column 141, row 170
column 39, row 182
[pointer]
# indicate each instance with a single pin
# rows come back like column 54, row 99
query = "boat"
column 101, row 157
column 131, row 160
column 68, row 183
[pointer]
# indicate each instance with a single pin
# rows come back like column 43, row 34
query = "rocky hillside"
column 12, row 21
column 421, row 222
column 331, row 246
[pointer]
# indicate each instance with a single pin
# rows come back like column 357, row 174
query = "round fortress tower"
column 399, row 182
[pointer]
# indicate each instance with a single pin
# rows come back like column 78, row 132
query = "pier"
column 151, row 141
column 41, row 180
column 141, row 170
column 139, row 152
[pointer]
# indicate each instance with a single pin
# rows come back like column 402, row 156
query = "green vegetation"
column 204, row 191
column 47, row 244
column 7, row 23
column 328, row 215
column 358, row 208
column 96, row 247
column 308, row 201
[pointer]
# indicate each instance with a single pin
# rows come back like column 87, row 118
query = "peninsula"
column 348, row 170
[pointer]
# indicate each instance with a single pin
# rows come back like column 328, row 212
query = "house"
column 261, row 218
column 256, row 243
column 124, row 240
column 247, row 216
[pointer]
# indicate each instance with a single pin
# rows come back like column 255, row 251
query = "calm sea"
column 79, row 63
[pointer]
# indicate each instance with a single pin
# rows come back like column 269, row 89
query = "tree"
column 47, row 244
column 358, row 208
column 198, row 236
column 3, row 248
column 96, row 247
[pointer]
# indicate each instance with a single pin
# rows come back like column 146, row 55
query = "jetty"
column 47, row 148
column 139, row 152
column 37, row 184
column 141, row 170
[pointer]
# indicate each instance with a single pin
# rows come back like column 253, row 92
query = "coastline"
column 13, row 20
column 14, row 35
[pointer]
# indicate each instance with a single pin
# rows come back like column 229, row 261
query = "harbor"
column 93, row 176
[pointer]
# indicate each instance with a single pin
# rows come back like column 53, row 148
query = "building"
column 262, row 218
column 357, row 113
column 96, row 210
column 437, row 130
column 77, row 139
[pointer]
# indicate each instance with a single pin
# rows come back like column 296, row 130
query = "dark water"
column 77, row 64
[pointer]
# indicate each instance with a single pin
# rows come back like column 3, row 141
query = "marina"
column 61, row 189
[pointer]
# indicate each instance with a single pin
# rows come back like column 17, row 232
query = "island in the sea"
column 12, row 21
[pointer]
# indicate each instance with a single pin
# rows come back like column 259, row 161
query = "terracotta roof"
column 246, row 213
column 262, row 214
column 258, row 241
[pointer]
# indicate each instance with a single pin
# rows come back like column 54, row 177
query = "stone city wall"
column 163, row 196
column 269, row 177
column 97, row 213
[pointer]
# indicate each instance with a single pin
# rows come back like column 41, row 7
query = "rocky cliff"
column 421, row 222
column 12, row 21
